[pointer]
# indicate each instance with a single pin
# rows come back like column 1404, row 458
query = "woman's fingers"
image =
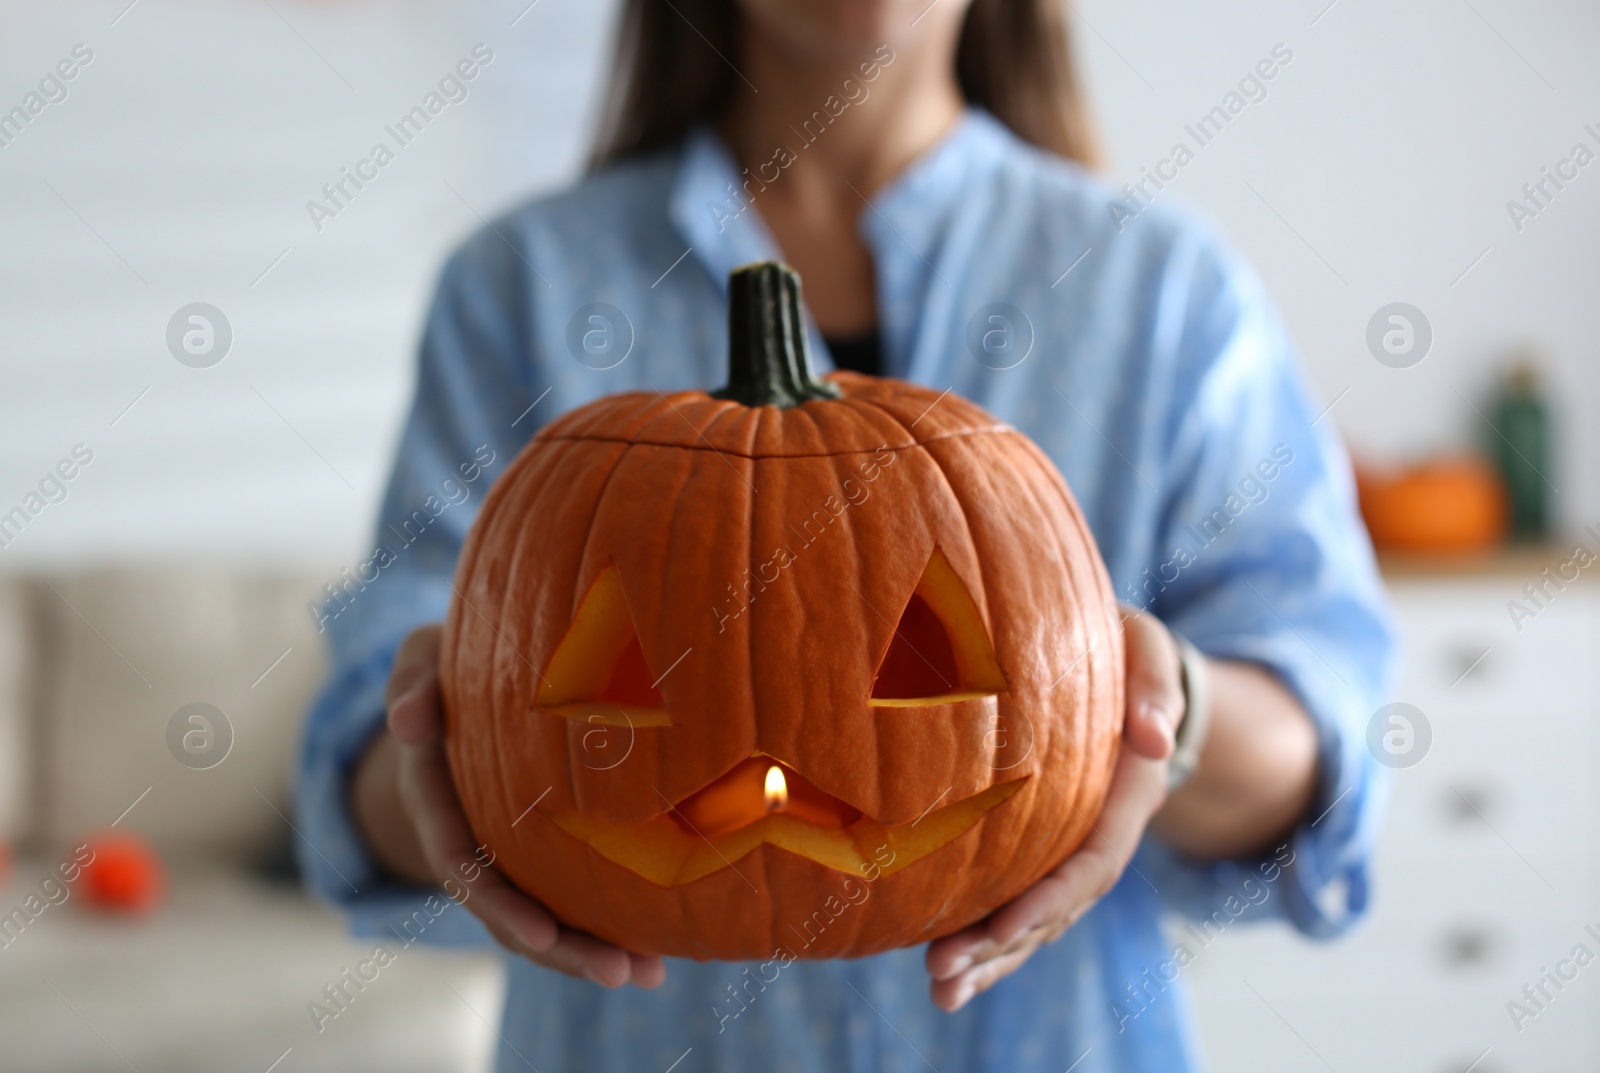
column 1137, row 789
column 1059, row 898
column 449, row 846
column 952, row 994
column 517, row 922
column 978, row 948
column 1155, row 687
column 972, row 959
column 412, row 698
column 586, row 957
column 648, row 971
column 956, row 953
column 990, row 972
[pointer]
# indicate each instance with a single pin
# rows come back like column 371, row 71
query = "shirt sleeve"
column 1263, row 558
column 470, row 415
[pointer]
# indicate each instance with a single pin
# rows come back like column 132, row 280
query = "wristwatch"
column 1190, row 737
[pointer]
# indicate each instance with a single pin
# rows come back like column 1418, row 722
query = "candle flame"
column 777, row 789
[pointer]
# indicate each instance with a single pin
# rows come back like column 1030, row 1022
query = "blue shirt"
column 1147, row 361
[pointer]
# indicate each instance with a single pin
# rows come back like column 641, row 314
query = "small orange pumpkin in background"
column 824, row 666
column 1453, row 504
column 124, row 874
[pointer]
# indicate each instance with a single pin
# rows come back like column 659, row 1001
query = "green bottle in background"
column 1522, row 450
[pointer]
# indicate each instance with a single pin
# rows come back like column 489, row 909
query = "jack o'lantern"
column 805, row 668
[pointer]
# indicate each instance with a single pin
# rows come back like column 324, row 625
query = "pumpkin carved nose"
column 755, row 789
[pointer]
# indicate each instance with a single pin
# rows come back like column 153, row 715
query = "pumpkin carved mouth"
column 714, row 827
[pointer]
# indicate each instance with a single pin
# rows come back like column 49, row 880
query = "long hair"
column 673, row 68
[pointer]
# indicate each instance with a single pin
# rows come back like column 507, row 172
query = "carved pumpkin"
column 805, row 668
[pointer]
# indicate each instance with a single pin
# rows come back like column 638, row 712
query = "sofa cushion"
column 175, row 696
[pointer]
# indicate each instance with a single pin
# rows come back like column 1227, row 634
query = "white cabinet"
column 1485, row 875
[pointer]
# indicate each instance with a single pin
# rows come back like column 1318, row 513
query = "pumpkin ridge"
column 680, row 502
column 896, row 418
column 652, row 420
column 1085, row 790
column 1102, row 582
column 514, row 495
column 876, row 404
column 730, row 415
column 660, row 627
column 454, row 632
column 1078, row 725
column 580, row 590
column 881, row 393
column 503, row 778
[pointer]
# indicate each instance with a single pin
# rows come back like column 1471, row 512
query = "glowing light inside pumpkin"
column 758, row 790
column 777, row 789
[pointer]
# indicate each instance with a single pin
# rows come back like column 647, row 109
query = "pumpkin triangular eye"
column 598, row 672
column 940, row 651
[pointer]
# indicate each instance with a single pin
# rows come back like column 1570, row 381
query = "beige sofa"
column 93, row 667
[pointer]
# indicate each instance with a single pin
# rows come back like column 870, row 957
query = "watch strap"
column 1190, row 737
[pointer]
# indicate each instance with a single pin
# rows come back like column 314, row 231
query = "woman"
column 920, row 165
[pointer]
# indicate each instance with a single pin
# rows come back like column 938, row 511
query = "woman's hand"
column 405, row 804
column 974, row 958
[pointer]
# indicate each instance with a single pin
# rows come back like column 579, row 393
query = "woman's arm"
column 1257, row 771
column 380, row 815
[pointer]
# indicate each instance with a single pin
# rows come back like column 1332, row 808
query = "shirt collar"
column 902, row 227
column 708, row 205
column 920, row 201
column 711, row 211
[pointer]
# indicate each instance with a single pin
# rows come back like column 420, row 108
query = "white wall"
column 187, row 149
column 190, row 145
column 1391, row 144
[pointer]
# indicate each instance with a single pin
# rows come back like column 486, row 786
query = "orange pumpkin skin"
column 683, row 494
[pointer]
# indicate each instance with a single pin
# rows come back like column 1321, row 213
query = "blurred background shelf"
column 1520, row 562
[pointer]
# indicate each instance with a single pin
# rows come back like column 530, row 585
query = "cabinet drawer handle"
column 1467, row 664
column 1467, row 947
column 1469, row 804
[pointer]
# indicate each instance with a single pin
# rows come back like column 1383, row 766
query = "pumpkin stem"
column 769, row 363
